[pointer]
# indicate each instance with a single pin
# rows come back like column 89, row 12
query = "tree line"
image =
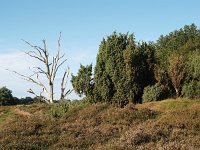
column 130, row 71
column 7, row 98
column 127, row 71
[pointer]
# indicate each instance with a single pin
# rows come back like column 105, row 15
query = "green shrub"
column 59, row 109
column 191, row 90
column 152, row 93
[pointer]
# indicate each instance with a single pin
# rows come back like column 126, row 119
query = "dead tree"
column 49, row 70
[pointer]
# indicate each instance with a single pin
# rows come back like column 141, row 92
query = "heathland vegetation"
column 169, row 124
column 139, row 95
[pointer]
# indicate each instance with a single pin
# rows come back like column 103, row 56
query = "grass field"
column 169, row 124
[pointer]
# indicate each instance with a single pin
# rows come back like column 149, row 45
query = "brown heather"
column 170, row 124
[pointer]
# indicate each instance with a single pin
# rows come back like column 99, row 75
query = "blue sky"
column 83, row 24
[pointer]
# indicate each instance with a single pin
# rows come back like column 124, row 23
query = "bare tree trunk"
column 177, row 92
column 51, row 94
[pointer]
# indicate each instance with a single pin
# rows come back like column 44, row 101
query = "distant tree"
column 193, row 66
column 6, row 97
column 16, row 100
column 176, row 71
column 38, row 99
column 49, row 70
column 83, row 82
column 183, row 41
column 26, row 100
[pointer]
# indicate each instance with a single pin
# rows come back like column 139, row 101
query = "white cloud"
column 18, row 61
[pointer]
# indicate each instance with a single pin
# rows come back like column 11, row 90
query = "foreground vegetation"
column 169, row 124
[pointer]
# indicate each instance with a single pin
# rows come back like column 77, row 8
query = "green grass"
column 170, row 104
column 178, row 104
column 170, row 124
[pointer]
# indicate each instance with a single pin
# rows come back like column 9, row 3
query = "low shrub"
column 152, row 93
column 61, row 108
column 191, row 90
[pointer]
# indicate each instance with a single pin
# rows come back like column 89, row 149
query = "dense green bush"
column 6, row 97
column 111, row 83
column 191, row 90
column 123, row 68
column 152, row 93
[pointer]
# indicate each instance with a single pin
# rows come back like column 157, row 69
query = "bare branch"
column 61, row 56
column 58, row 51
column 68, row 92
column 40, row 71
column 63, row 84
column 43, row 98
column 56, row 69
column 45, row 50
column 35, row 47
column 39, row 49
column 30, row 79
column 59, row 39
column 42, row 85
column 31, row 92
column 34, row 56
column 56, row 60
column 50, row 70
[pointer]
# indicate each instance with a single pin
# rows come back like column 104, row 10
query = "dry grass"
column 171, row 104
column 170, row 124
